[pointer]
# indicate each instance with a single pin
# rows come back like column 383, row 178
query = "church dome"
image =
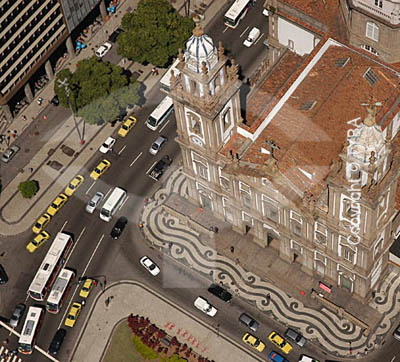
column 200, row 48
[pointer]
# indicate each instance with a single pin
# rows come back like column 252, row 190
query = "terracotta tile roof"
column 311, row 139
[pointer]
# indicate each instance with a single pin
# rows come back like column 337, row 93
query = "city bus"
column 160, row 114
column 236, row 12
column 112, row 204
column 50, row 266
column 60, row 290
column 30, row 331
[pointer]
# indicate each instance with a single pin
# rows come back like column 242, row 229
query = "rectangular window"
column 245, row 194
column 291, row 44
column 200, row 166
column 270, row 208
column 224, row 181
column 320, row 233
column 379, row 3
column 372, row 31
column 296, row 223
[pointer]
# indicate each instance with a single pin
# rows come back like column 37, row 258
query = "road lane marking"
column 121, row 150
column 90, row 187
column 108, row 193
column 225, row 29
column 151, row 167
column 393, row 359
column 62, row 227
column 244, row 32
column 163, row 126
column 259, row 38
column 77, row 286
column 123, row 203
column 137, row 157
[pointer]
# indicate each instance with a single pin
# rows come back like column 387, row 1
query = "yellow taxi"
column 73, row 185
column 38, row 241
column 57, row 204
column 254, row 342
column 87, row 287
column 41, row 223
column 101, row 168
column 280, row 342
column 73, row 314
column 127, row 126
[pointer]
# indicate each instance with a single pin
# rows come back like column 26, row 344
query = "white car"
column 94, row 202
column 103, row 50
column 205, row 307
column 107, row 145
column 252, row 37
column 150, row 265
column 304, row 358
column 10, row 153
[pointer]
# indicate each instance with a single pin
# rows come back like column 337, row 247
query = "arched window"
column 372, row 31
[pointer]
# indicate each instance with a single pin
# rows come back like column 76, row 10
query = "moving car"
column 92, row 204
column 113, row 37
column 73, row 185
column 38, row 241
column 17, row 315
column 254, row 342
column 41, row 223
column 205, row 307
column 252, row 37
column 295, row 336
column 127, row 126
column 157, row 144
column 280, row 342
column 305, row 358
column 107, row 145
column 276, row 357
column 151, row 267
column 248, row 321
column 57, row 204
column 158, row 170
column 3, row 275
column 10, row 153
column 55, row 101
column 103, row 49
column 73, row 314
column 101, row 168
column 220, row 292
column 118, row 227
column 57, row 341
column 87, row 287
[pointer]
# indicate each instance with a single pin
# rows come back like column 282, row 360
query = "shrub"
column 146, row 352
column 28, row 188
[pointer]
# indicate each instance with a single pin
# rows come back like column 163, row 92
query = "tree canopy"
column 154, row 32
column 99, row 90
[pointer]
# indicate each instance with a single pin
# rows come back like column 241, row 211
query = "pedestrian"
column 232, row 249
column 24, row 118
column 155, row 71
column 30, row 169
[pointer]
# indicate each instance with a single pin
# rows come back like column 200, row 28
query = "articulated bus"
column 30, row 331
column 50, row 266
column 60, row 291
column 112, row 204
column 160, row 114
column 236, row 12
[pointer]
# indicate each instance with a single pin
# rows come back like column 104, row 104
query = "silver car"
column 94, row 202
column 296, row 337
column 157, row 144
column 10, row 153
column 17, row 315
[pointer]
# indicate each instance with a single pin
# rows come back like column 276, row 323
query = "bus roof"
column 59, row 286
column 163, row 107
column 49, row 262
column 115, row 195
column 236, row 9
column 30, row 324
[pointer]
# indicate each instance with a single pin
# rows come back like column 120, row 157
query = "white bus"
column 236, row 13
column 112, row 204
column 30, row 331
column 50, row 266
column 60, row 291
column 160, row 114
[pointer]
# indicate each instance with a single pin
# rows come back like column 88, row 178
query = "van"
column 252, row 37
column 249, row 322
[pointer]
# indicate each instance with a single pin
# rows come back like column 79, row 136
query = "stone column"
column 49, row 70
column 70, row 47
column 28, row 92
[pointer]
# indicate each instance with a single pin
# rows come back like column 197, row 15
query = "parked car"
column 107, row 145
column 127, row 126
column 100, row 169
column 92, row 204
column 57, row 204
column 280, row 342
column 254, row 342
column 10, row 153
column 119, row 227
column 305, row 358
column 295, row 336
column 41, row 223
column 55, row 101
column 3, row 275
column 73, row 314
column 73, row 185
column 220, row 292
column 103, row 50
column 57, row 341
column 248, row 321
column 87, row 287
column 157, row 144
column 38, row 241
column 17, row 315
column 151, row 267
column 113, row 37
column 396, row 333
column 159, row 168
column 276, row 357
column 203, row 305
column 252, row 37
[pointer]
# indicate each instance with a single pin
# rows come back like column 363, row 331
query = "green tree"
column 154, row 33
column 28, row 188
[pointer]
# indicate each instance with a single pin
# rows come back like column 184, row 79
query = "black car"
column 17, row 315
column 3, row 275
column 219, row 292
column 57, row 341
column 159, row 168
column 118, row 227
column 113, row 37
column 55, row 100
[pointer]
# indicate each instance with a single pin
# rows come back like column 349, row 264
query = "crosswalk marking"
column 4, row 352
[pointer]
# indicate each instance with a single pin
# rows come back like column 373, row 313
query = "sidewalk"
column 128, row 297
column 181, row 230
